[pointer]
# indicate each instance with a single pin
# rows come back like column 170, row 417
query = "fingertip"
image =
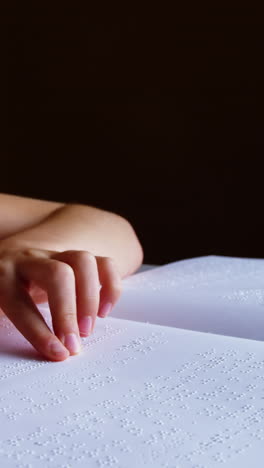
column 73, row 343
column 56, row 351
column 105, row 309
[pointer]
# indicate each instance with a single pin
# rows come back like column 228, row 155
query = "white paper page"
column 223, row 295
column 137, row 396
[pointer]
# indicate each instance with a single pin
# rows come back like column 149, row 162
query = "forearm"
column 81, row 227
column 18, row 213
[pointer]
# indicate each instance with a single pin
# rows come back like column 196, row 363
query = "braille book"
column 174, row 378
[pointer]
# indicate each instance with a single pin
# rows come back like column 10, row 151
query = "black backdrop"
column 151, row 112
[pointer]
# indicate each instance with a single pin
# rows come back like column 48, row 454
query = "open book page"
column 223, row 295
column 138, row 395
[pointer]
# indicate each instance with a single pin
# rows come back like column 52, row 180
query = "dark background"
column 154, row 113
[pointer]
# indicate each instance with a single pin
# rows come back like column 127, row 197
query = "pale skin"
column 72, row 256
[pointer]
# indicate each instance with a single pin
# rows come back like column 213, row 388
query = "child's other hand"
column 70, row 281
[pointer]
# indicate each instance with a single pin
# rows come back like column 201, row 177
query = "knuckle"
column 109, row 260
column 59, row 270
column 68, row 318
column 84, row 255
column 34, row 253
column 80, row 256
column 110, row 263
column 29, row 252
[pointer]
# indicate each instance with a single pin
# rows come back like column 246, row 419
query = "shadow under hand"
column 20, row 352
column 12, row 342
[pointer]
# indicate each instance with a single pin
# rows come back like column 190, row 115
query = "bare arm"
column 82, row 227
column 18, row 213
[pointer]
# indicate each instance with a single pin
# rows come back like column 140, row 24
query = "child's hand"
column 70, row 282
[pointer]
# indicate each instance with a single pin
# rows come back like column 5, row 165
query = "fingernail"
column 72, row 343
column 105, row 309
column 57, row 349
column 85, row 325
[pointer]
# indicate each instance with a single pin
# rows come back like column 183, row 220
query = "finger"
column 58, row 280
column 21, row 310
column 87, row 285
column 111, row 285
column 37, row 294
